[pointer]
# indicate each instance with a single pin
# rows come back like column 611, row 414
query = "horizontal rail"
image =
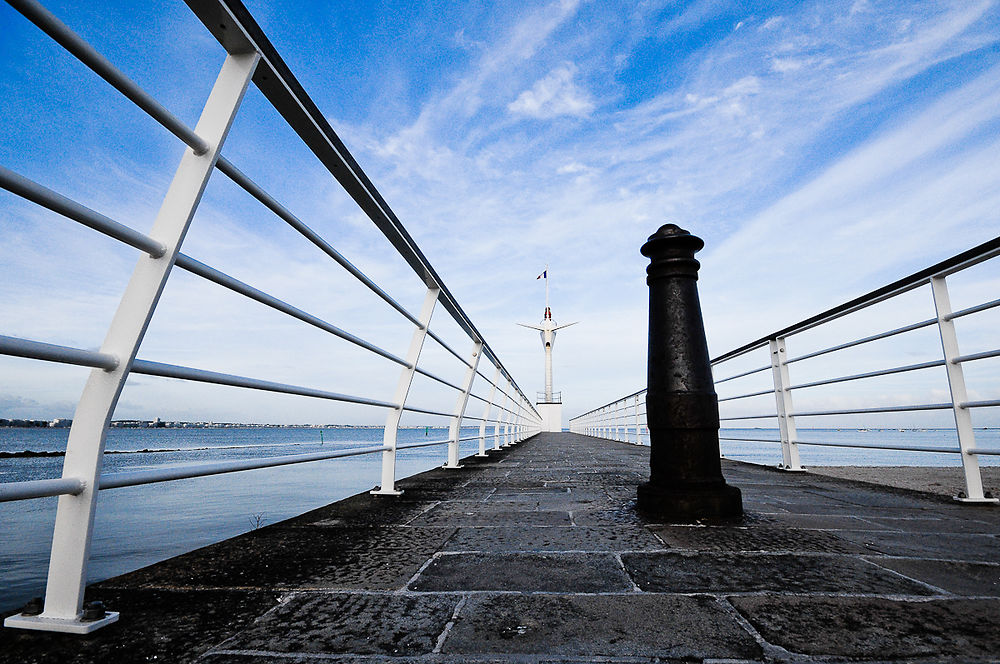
column 424, row 372
column 414, row 409
column 980, row 404
column 870, row 374
column 45, row 197
column 186, row 471
column 238, row 177
column 865, row 340
column 977, row 254
column 38, row 350
column 410, row 446
column 747, row 396
column 448, row 348
column 984, row 451
column 749, row 417
column 197, row 267
column 976, row 356
column 877, row 446
column 751, row 440
column 202, row 376
column 741, row 375
column 973, row 310
column 71, row 486
column 85, row 53
column 879, row 409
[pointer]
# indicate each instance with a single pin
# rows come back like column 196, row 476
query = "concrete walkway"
column 537, row 555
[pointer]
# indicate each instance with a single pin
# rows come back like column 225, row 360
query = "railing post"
column 455, row 427
column 486, row 414
column 508, row 416
column 638, row 433
column 496, row 425
column 390, row 434
column 783, row 400
column 74, row 523
column 682, row 409
column 959, row 395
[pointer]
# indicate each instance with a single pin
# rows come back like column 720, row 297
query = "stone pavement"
column 537, row 555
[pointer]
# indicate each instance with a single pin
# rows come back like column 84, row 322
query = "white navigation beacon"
column 549, row 403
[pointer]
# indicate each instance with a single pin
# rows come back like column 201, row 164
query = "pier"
column 537, row 554
column 628, row 539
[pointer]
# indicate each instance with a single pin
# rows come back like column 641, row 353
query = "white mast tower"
column 550, row 403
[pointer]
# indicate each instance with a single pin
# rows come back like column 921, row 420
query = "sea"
column 138, row 526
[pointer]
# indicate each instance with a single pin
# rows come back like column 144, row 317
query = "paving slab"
column 953, row 546
column 961, row 578
column 750, row 572
column 354, row 623
column 877, row 629
column 321, row 557
column 555, row 538
column 608, row 625
column 753, row 538
column 553, row 572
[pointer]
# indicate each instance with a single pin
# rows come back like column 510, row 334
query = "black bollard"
column 682, row 409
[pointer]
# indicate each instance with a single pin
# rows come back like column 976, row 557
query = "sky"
column 821, row 149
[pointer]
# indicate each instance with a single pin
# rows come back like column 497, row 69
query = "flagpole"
column 546, row 287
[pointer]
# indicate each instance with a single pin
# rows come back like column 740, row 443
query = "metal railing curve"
column 250, row 59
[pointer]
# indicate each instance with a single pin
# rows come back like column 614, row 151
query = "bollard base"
column 685, row 504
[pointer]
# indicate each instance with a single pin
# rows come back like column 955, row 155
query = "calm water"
column 137, row 526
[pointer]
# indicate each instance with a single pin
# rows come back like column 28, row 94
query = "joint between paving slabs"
column 450, row 624
column 282, row 601
column 936, row 589
column 771, row 651
column 432, row 505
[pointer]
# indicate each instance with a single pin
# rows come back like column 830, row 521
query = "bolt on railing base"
column 64, row 625
column 387, row 492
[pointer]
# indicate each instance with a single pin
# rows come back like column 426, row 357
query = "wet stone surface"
column 350, row 623
column 556, row 538
column 536, row 554
column 752, row 572
column 875, row 628
column 608, row 625
column 961, row 578
column 753, row 538
column 552, row 572
column 336, row 557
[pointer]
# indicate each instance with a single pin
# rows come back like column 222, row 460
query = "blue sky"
column 821, row 149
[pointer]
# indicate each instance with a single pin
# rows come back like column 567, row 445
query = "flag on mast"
column 543, row 275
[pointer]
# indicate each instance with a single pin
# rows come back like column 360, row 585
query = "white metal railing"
column 250, row 58
column 624, row 419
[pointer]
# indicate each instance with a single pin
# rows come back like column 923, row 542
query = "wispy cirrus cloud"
column 555, row 95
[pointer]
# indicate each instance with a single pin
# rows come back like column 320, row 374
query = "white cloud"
column 552, row 96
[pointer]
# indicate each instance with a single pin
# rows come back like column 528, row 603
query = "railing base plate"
column 64, row 625
column 788, row 469
column 977, row 501
column 390, row 492
column 447, row 467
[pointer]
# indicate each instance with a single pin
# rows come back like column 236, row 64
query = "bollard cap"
column 673, row 239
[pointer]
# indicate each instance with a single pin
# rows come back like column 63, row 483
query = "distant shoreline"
column 60, row 423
